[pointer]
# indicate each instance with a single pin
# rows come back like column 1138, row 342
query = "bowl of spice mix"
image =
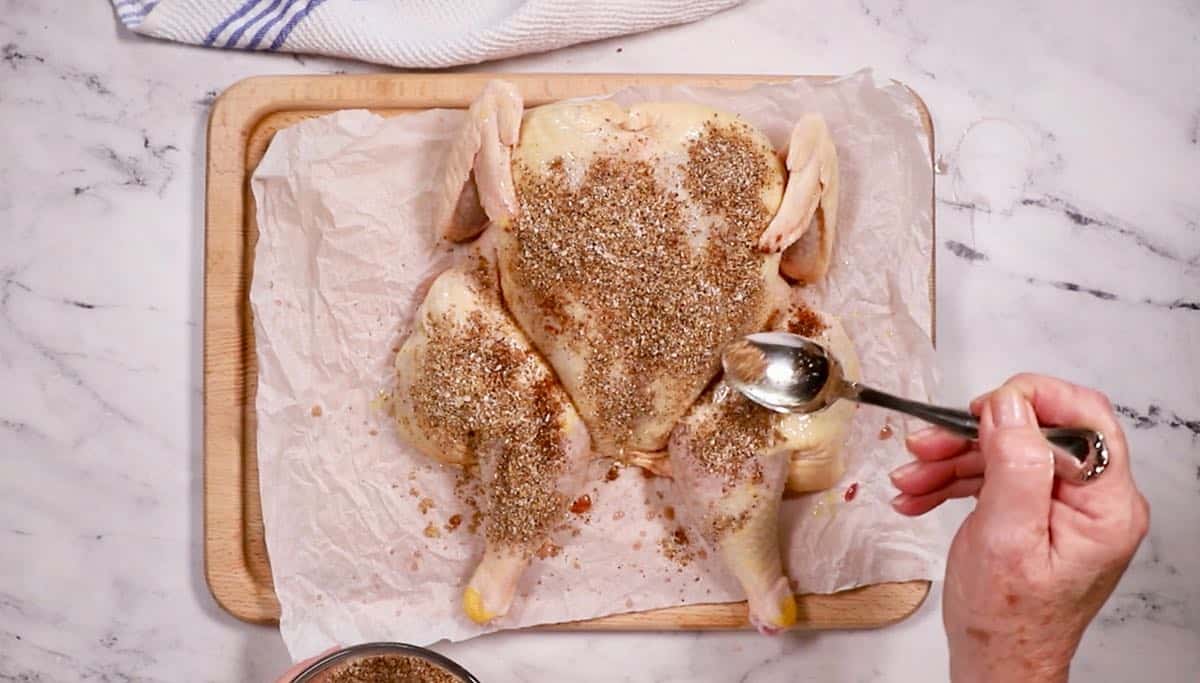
column 384, row 663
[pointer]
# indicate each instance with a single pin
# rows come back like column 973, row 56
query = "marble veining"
column 1068, row 242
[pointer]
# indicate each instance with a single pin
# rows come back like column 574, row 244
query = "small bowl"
column 333, row 661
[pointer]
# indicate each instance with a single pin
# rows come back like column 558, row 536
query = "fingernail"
column 1009, row 408
column 976, row 405
column 922, row 433
column 898, row 500
column 903, row 470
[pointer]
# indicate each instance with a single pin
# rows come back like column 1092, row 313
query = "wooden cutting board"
column 242, row 123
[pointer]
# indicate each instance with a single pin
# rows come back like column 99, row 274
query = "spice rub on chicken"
column 629, row 247
column 634, row 257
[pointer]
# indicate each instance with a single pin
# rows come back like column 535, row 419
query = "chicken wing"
column 810, row 199
column 474, row 184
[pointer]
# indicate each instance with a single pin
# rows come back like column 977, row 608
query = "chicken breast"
column 633, row 260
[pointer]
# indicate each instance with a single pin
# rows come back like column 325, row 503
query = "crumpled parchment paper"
column 358, row 525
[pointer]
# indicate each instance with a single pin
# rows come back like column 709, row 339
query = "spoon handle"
column 1079, row 454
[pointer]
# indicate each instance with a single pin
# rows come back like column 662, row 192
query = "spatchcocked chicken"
column 614, row 253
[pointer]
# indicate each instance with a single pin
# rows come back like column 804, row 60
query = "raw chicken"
column 470, row 390
column 630, row 247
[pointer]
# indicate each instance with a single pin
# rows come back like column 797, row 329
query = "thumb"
column 1019, row 466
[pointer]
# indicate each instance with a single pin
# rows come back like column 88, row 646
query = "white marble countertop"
column 1068, row 242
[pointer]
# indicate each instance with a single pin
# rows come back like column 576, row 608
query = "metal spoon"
column 791, row 374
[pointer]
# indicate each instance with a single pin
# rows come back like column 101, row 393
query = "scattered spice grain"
column 805, row 322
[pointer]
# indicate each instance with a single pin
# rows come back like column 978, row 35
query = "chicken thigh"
column 470, row 390
column 814, row 441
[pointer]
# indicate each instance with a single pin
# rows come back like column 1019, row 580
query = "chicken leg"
column 472, row 390
column 731, row 461
column 729, row 476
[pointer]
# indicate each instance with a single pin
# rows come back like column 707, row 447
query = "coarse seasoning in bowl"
column 384, row 663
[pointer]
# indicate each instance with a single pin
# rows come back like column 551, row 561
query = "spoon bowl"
column 783, row 372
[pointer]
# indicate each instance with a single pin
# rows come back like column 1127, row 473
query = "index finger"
column 1062, row 404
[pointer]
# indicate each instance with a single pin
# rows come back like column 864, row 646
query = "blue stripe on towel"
column 127, row 7
column 133, row 12
column 287, row 30
column 241, row 12
column 237, row 35
column 262, row 32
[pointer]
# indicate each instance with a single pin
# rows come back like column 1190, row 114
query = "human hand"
column 1033, row 563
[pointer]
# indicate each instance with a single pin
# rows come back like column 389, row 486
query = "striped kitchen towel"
column 404, row 33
